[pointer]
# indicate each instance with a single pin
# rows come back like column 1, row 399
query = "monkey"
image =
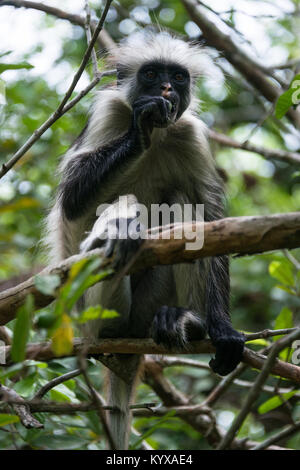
column 145, row 140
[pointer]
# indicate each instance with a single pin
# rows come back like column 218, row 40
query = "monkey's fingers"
column 122, row 251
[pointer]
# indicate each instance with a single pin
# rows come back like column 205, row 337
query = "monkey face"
column 171, row 81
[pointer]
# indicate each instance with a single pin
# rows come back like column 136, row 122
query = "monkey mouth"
column 173, row 109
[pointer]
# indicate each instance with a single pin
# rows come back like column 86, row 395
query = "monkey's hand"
column 120, row 238
column 122, row 249
column 149, row 112
column 229, row 346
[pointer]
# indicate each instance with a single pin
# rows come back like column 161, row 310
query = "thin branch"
column 269, row 154
column 292, row 259
column 56, row 381
column 87, row 26
column 221, row 388
column 255, row 391
column 97, row 400
column 178, row 361
column 169, row 361
column 242, row 235
column 269, row 333
column 283, row 434
column 62, row 109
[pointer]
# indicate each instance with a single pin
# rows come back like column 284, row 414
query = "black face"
column 168, row 80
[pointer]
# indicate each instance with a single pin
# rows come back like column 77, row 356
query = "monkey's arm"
column 85, row 173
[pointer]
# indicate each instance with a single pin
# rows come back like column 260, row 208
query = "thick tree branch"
column 20, row 407
column 44, row 352
column 236, row 235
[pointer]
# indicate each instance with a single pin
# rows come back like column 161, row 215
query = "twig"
column 61, row 108
column 292, row 259
column 178, row 361
column 95, row 398
column 284, row 433
column 168, row 361
column 254, row 392
column 87, row 27
column 223, row 385
column 282, row 155
column 268, row 333
column 56, row 381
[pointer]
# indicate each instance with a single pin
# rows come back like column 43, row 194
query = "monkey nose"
column 166, row 89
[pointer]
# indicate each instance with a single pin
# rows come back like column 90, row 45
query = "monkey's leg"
column 229, row 343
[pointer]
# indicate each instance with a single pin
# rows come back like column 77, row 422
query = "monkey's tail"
column 121, row 393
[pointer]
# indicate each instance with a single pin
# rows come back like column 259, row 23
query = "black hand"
column 149, row 112
column 229, row 351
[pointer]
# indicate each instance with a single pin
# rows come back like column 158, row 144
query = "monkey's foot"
column 176, row 326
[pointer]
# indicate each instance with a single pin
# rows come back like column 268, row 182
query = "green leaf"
column 109, row 314
column 2, row 93
column 81, row 277
column 46, row 319
column 26, row 387
column 22, row 329
column 21, row 65
column 92, row 313
column 284, row 103
column 8, row 419
column 286, row 289
column 282, row 271
column 283, row 320
column 259, row 341
column 289, row 98
column 62, row 393
column 3, row 54
column 47, row 284
column 275, row 402
column 62, row 338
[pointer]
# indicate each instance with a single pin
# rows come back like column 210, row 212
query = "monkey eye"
column 179, row 77
column 150, row 74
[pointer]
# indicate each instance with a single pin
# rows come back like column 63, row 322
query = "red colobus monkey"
column 144, row 138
